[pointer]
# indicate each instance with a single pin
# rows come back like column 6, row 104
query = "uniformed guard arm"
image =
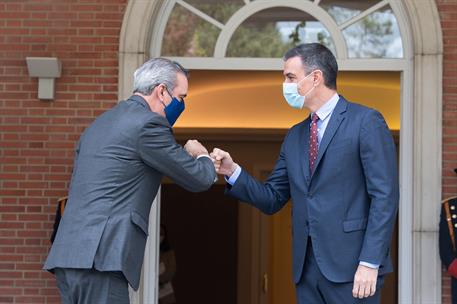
column 159, row 150
column 445, row 245
column 56, row 223
column 378, row 156
column 270, row 196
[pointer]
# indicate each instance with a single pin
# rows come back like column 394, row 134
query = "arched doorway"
column 420, row 67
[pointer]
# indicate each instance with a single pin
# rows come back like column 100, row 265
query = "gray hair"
column 154, row 72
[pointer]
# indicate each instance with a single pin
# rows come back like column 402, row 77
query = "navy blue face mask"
column 173, row 109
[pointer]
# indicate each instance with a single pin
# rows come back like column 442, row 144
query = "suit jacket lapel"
column 335, row 121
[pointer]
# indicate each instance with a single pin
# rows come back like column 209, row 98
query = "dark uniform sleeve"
column 446, row 252
column 60, row 206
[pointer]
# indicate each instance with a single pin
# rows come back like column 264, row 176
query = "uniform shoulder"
column 451, row 200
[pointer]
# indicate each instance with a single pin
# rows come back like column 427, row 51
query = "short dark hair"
column 316, row 56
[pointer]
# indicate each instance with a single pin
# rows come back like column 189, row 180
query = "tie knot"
column 314, row 117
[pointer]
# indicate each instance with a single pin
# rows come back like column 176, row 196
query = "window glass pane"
column 219, row 10
column 271, row 32
column 343, row 10
column 188, row 35
column 375, row 36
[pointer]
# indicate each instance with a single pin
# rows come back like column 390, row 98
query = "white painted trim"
column 148, row 291
column 404, row 26
column 200, row 14
column 373, row 64
column 407, row 147
column 157, row 27
column 253, row 7
column 152, row 253
column 405, row 240
column 427, row 184
column 364, row 14
column 276, row 64
column 420, row 267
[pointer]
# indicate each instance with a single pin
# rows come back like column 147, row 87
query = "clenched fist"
column 223, row 162
column 195, row 148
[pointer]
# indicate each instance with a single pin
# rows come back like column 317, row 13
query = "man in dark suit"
column 120, row 161
column 339, row 167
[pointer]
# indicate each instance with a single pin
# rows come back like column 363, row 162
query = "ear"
column 159, row 91
column 318, row 77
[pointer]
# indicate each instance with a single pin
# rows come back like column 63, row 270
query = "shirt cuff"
column 204, row 155
column 374, row 266
column 232, row 179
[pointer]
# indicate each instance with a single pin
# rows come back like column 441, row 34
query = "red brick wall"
column 448, row 14
column 38, row 137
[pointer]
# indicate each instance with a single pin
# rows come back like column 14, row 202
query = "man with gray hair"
column 120, row 161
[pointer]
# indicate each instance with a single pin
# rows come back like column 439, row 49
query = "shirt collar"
column 328, row 107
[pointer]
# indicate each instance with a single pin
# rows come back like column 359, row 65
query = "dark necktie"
column 313, row 148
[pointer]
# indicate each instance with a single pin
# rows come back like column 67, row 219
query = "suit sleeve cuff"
column 374, row 266
column 452, row 269
column 232, row 179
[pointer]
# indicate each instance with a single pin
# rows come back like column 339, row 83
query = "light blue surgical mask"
column 290, row 92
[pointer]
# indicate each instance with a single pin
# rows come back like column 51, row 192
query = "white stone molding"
column 256, row 6
column 426, row 134
column 201, row 14
column 133, row 51
column 363, row 14
column 134, row 40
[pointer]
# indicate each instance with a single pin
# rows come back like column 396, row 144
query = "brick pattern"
column 37, row 138
column 448, row 14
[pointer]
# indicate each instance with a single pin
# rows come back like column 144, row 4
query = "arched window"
column 254, row 34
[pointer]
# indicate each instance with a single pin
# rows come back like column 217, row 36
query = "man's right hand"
column 195, row 148
column 223, row 162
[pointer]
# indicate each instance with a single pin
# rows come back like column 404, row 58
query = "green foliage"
column 265, row 41
column 188, row 35
column 177, row 41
